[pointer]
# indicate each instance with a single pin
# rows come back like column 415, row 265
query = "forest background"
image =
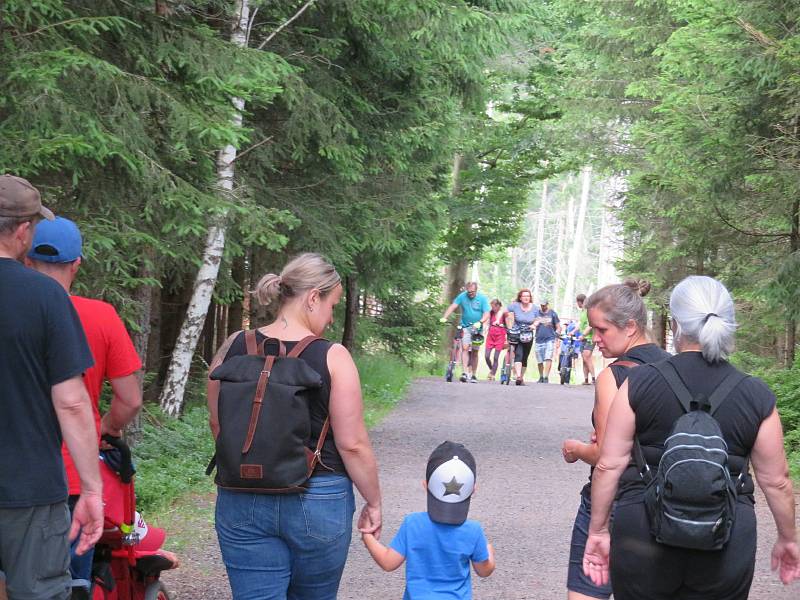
column 198, row 145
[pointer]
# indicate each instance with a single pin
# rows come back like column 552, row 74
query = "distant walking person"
column 521, row 316
column 496, row 340
column 57, row 251
column 620, row 317
column 588, row 340
column 646, row 408
column 43, row 354
column 547, row 329
column 475, row 311
column 294, row 545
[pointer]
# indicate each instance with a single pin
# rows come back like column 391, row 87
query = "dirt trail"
column 526, row 500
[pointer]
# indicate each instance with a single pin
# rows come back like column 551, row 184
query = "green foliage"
column 171, row 457
column 785, row 383
column 384, row 382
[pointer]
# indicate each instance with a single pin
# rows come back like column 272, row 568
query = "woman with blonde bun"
column 618, row 317
column 703, row 327
column 279, row 546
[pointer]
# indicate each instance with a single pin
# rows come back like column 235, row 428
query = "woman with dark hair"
column 521, row 315
column 646, row 408
column 619, row 319
column 295, row 545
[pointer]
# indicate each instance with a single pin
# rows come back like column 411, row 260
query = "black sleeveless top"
column 316, row 355
column 656, row 407
column 645, row 353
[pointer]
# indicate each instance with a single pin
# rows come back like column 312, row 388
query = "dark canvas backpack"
column 264, row 418
column 691, row 498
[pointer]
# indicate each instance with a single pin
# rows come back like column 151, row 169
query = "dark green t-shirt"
column 41, row 344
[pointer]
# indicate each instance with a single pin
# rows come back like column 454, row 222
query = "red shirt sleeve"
column 122, row 359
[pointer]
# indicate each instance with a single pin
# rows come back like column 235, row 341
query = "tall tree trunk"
column 143, row 296
column 569, row 292
column 236, row 309
column 209, row 339
column 350, row 311
column 559, row 274
column 171, row 399
column 537, row 278
column 794, row 244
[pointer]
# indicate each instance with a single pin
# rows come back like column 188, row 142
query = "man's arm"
column 74, row 412
column 387, row 558
column 125, row 405
column 450, row 310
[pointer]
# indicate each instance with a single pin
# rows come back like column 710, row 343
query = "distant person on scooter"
column 475, row 312
column 588, row 340
column 496, row 340
column 548, row 328
column 57, row 251
column 522, row 316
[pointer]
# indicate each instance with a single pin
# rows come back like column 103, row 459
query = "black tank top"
column 656, row 407
column 316, row 355
column 643, row 354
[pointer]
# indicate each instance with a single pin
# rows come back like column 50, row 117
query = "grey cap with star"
column 450, row 476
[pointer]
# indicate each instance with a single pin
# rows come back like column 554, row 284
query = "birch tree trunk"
column 569, row 291
column 537, row 277
column 172, row 395
column 559, row 274
column 603, row 253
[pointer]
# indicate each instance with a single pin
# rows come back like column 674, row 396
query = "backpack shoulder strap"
column 302, row 345
column 250, row 341
column 726, row 386
column 670, row 374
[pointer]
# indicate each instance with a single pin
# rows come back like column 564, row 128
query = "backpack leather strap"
column 250, row 341
column 674, row 381
column 258, row 400
column 301, row 346
column 316, row 457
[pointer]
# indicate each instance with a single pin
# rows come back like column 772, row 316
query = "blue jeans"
column 286, row 546
column 80, row 567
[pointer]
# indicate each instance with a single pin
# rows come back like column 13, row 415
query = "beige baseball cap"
column 18, row 198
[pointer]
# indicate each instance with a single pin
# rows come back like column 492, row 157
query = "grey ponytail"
column 703, row 311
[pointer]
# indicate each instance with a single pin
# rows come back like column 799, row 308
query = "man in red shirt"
column 57, row 251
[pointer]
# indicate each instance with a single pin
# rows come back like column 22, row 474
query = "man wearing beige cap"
column 43, row 354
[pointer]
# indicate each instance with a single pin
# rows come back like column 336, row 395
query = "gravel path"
column 526, row 500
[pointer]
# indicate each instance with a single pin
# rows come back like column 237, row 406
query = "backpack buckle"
column 267, row 373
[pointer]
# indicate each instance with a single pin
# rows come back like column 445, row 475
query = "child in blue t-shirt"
column 438, row 545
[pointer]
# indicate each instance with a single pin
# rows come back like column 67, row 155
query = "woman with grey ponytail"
column 703, row 313
column 703, row 326
column 295, row 545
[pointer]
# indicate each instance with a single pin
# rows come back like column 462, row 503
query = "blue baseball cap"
column 56, row 241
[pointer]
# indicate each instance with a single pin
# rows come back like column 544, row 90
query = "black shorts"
column 521, row 352
column 643, row 568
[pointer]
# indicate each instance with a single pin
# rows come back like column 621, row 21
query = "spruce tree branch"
column 53, row 25
column 772, row 236
column 279, row 29
column 253, row 147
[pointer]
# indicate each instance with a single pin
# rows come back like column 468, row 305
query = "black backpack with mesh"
column 691, row 497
